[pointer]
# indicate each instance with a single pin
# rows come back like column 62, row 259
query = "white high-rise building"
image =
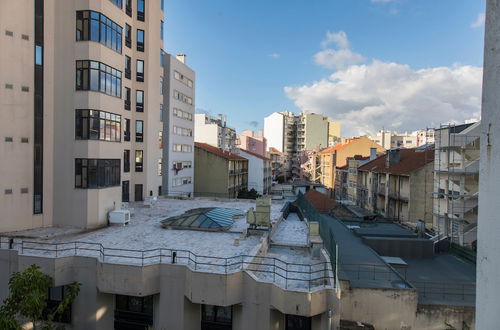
column 178, row 124
column 214, row 131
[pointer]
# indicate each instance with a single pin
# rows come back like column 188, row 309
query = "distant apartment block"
column 389, row 139
column 259, row 172
column 214, row 131
column 456, row 182
column 292, row 134
column 396, row 185
column 177, row 114
column 257, row 144
column 218, row 173
column 277, row 162
column 327, row 160
column 346, row 178
column 79, row 99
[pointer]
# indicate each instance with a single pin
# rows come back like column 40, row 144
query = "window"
column 99, row 77
column 161, row 112
column 128, row 36
column 118, row 3
column 162, row 58
column 183, row 79
column 183, row 98
column 94, row 26
column 134, row 312
column 182, row 165
column 161, row 85
column 182, row 148
column 139, row 131
column 54, row 298
column 183, row 114
column 140, row 40
column 160, row 140
column 97, row 125
column 160, row 166
column 126, row 133
column 97, row 173
column 140, row 10
column 139, row 101
column 139, row 160
column 38, row 55
column 182, row 131
column 181, row 181
column 139, row 76
column 127, row 99
column 161, row 29
column 162, row 5
column 128, row 67
column 296, row 322
column 216, row 317
column 125, row 191
column 128, row 7
column 126, row 161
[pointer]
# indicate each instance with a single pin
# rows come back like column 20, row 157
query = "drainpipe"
column 329, row 319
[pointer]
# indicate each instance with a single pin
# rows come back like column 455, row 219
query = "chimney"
column 393, row 157
column 260, row 133
column 181, row 57
column 373, row 153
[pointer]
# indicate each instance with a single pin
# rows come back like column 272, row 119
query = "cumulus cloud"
column 479, row 21
column 336, row 58
column 367, row 97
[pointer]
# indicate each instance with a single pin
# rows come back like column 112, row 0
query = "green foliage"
column 29, row 292
column 248, row 194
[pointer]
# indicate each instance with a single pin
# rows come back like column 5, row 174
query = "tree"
column 29, row 292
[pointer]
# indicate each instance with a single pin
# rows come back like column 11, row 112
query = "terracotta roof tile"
column 254, row 154
column 320, row 201
column 218, row 151
column 410, row 160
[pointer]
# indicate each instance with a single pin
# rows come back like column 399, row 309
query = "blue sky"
column 246, row 52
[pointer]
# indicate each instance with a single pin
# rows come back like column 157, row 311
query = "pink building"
column 256, row 144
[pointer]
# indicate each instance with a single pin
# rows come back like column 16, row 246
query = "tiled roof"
column 218, row 151
column 254, row 154
column 320, row 201
column 410, row 160
column 338, row 146
column 273, row 149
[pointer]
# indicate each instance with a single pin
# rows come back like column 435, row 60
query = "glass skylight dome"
column 208, row 219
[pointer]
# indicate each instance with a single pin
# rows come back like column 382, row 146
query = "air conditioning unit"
column 119, row 217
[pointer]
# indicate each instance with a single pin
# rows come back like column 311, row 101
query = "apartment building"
column 214, row 131
column 177, row 114
column 396, row 184
column 425, row 136
column 455, row 192
column 346, row 178
column 327, row 160
column 217, row 172
column 257, row 144
column 390, row 139
column 277, row 161
column 292, row 134
column 259, row 171
column 78, row 109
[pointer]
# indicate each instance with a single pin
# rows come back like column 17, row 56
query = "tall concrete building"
column 390, row 139
column 214, row 131
column 178, row 126
column 79, row 102
column 488, row 249
column 257, row 144
column 292, row 134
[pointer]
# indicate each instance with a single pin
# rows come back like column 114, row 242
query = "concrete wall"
column 488, row 259
column 316, row 131
column 421, row 201
column 274, row 130
column 211, row 174
column 256, row 167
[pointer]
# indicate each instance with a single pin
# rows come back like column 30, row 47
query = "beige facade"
column 214, row 131
column 75, row 75
column 218, row 173
column 389, row 139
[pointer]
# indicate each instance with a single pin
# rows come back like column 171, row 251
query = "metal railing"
column 457, row 290
column 374, row 271
column 266, row 269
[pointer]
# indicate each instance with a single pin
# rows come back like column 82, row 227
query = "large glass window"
column 99, row 77
column 97, row 173
column 139, row 160
column 128, row 36
column 127, row 99
column 140, row 40
column 140, row 10
column 128, row 7
column 183, row 98
column 126, row 133
column 94, row 26
column 54, row 298
column 128, row 67
column 38, row 55
column 139, row 131
column 97, row 125
column 139, row 101
column 118, row 3
column 133, row 312
column 126, row 161
column 140, row 70
column 216, row 317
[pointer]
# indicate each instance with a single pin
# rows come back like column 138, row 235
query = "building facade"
column 259, row 172
column 257, row 144
column 79, row 109
column 214, row 131
column 389, row 139
column 346, row 178
column 456, row 183
column 218, row 173
column 177, row 114
column 395, row 185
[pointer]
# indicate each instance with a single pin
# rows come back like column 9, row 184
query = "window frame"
column 139, row 106
column 87, row 119
column 139, row 131
column 140, row 44
column 139, row 165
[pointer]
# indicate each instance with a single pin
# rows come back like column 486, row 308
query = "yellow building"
column 329, row 158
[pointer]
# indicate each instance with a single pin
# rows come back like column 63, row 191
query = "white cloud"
column 337, row 59
column 274, row 55
column 339, row 39
column 367, row 97
column 479, row 21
